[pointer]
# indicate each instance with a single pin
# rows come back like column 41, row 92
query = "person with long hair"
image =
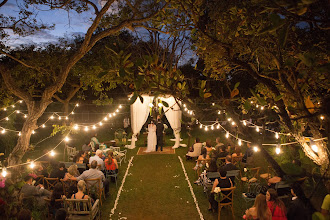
column 259, row 210
column 111, row 163
column 208, row 146
column 81, row 185
column 275, row 205
column 57, row 193
column 201, row 159
column 72, row 172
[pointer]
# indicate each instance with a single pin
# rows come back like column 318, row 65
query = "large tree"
column 109, row 18
column 283, row 46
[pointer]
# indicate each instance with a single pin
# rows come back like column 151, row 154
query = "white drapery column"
column 173, row 114
column 139, row 116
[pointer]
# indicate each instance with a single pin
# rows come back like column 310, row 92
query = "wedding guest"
column 111, row 164
column 72, row 172
column 259, row 210
column 208, row 146
column 81, row 185
column 229, row 166
column 95, row 141
column 218, row 143
column 275, row 205
column 222, row 182
column 58, row 171
column 212, row 168
column 86, row 147
column 39, row 192
column 237, row 152
column 98, row 157
column 56, row 194
column 60, row 214
column 223, row 151
column 81, row 157
column 24, row 214
column 300, row 207
column 247, row 158
column 195, row 150
column 201, row 159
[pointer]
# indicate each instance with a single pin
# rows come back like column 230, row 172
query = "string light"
column 5, row 109
column 120, row 106
column 212, row 127
column 66, row 117
column 239, row 142
column 59, row 118
column 100, row 123
column 117, row 110
column 7, row 119
column 213, row 103
column 86, row 128
column 33, row 132
column 244, row 122
column 66, row 139
column 4, row 172
column 257, row 106
column 52, row 153
column 201, row 126
column 219, row 112
column 227, row 134
column 256, row 149
column 313, row 146
column 261, row 108
column 233, row 123
column 206, row 128
column 105, row 119
column 114, row 114
column 18, row 111
column 184, row 105
column 322, row 117
column 3, row 131
column 72, row 112
column 218, row 126
column 25, row 116
column 20, row 101
column 77, row 105
column 19, row 133
column 229, row 119
column 51, row 117
column 257, row 129
column 278, row 149
column 32, row 165
column 94, row 127
column 43, row 125
column 276, row 135
column 75, row 127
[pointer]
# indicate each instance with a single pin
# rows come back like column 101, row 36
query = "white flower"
column 245, row 169
column 217, row 190
column 165, row 126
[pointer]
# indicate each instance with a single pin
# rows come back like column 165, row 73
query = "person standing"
column 159, row 133
column 152, row 137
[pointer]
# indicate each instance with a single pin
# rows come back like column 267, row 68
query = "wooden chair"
column 51, row 209
column 50, row 183
column 82, row 209
column 236, row 160
column 221, row 161
column 268, row 175
column 230, row 203
column 253, row 189
column 110, row 173
column 66, row 186
column 122, row 158
column 40, row 180
column 204, row 162
column 71, row 152
column 95, row 186
column 254, row 177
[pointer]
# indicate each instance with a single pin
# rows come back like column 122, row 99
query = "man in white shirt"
column 98, row 158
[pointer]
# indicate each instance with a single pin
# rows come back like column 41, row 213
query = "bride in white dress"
column 152, row 138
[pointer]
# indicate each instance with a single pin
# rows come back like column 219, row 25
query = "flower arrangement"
column 217, row 194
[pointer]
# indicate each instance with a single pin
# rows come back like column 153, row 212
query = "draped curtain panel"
column 139, row 116
column 173, row 114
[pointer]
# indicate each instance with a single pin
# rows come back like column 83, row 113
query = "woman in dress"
column 259, row 210
column 275, row 205
column 152, row 138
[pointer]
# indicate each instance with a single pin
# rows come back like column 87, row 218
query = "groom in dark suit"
column 159, row 133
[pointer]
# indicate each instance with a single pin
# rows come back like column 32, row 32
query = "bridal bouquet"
column 217, row 194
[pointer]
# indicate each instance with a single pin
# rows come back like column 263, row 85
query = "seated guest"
column 275, row 205
column 24, row 214
column 57, row 194
column 259, row 210
column 81, row 185
column 223, row 182
column 237, row 152
column 86, row 147
column 94, row 173
column 212, row 168
column 229, row 166
column 208, row 146
column 81, row 157
column 39, row 192
column 111, row 163
column 201, row 159
column 72, row 172
column 58, row 171
column 40, row 170
column 300, row 207
column 218, row 143
column 95, row 141
column 247, row 158
column 223, row 151
column 195, row 151
column 98, row 158
column 60, row 214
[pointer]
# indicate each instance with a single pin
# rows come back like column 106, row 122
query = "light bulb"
column 18, row 111
column 218, row 126
column 278, row 150
column 244, row 122
column 59, row 117
column 51, row 117
column 66, row 118
column 66, row 139
column 117, row 110
column 201, row 126
column 322, row 117
column 184, row 105
column 86, row 128
column 219, row 112
column 72, row 113
column 52, row 153
column 212, row 127
column 33, row 132
column 114, row 114
column 32, row 165
column 251, row 102
column 233, row 123
column 19, row 133
column 239, row 142
column 7, row 119
column 315, row 148
column 94, row 127
column 110, row 115
column 100, row 123
column 4, row 172
column 229, row 119
column 227, row 134
column 5, row 109
column 206, row 128
column 257, row 129
column 13, row 106
column 43, row 125
column 3, row 131
column 77, row 105
column 213, row 103
column 261, row 108
column 20, row 101
column 120, row 106
column 257, row 106
column 75, row 127
column 256, row 149
column 25, row 116
column 276, row 135
column 185, row 109
column 105, row 119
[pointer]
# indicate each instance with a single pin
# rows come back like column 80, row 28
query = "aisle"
column 155, row 188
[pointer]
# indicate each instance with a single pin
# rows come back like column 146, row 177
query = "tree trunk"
column 66, row 107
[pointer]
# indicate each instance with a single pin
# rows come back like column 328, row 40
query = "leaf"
column 122, row 72
column 203, row 83
column 278, row 98
column 207, row 95
column 101, row 74
column 165, row 104
column 236, row 85
column 302, row 11
column 133, row 99
column 247, row 105
column 283, row 35
column 307, row 59
column 141, row 98
column 138, row 82
column 234, row 93
column 310, row 105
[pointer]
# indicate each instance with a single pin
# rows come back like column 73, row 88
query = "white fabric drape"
column 139, row 116
column 173, row 114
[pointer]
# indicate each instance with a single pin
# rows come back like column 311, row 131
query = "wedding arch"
column 140, row 112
